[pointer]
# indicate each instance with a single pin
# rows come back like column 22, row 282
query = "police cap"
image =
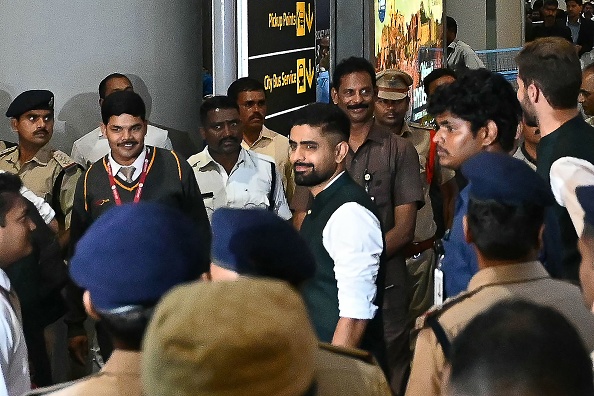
column 504, row 179
column 36, row 99
column 134, row 253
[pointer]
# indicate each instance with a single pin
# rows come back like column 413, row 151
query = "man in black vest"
column 342, row 230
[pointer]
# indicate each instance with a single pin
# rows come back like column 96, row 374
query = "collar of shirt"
column 265, row 134
column 4, row 281
column 333, row 180
column 206, row 160
column 123, row 362
column 453, row 44
column 579, row 22
column 512, row 273
column 137, row 164
column 42, row 157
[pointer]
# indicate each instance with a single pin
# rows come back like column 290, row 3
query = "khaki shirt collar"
column 405, row 132
column 265, row 134
column 42, row 157
column 123, row 362
column 512, row 273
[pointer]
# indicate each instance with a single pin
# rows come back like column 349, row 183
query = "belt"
column 414, row 248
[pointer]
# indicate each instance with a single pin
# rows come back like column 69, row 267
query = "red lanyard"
column 112, row 183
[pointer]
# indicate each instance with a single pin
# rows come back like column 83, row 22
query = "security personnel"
column 391, row 107
column 504, row 223
column 229, row 175
column 49, row 173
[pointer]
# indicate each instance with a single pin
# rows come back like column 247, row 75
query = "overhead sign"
column 280, row 37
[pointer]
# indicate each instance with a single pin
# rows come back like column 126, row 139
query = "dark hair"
column 328, row 117
column 520, row 348
column 480, row 96
column 435, row 75
column 127, row 327
column 10, row 185
column 352, row 65
column 103, row 83
column 578, row 2
column 550, row 2
column 552, row 64
column 504, row 232
column 244, row 84
column 451, row 25
column 123, row 102
column 216, row 102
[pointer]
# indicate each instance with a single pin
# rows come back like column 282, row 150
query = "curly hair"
column 480, row 96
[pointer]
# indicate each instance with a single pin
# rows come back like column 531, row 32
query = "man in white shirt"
column 229, row 175
column 342, row 230
column 94, row 146
column 15, row 243
column 459, row 54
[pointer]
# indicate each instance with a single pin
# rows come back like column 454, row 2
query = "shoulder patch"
column 437, row 310
column 416, row 125
column 8, row 150
column 63, row 159
column 354, row 353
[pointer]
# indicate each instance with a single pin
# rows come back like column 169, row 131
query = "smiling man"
column 131, row 172
column 342, row 231
column 229, row 175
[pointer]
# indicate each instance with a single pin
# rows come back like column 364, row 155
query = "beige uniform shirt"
column 119, row 376
column 420, row 137
column 344, row 371
column 276, row 146
column 40, row 173
column 527, row 281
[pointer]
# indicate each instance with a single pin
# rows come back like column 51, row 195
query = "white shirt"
column 93, row 146
column 353, row 239
column 14, row 362
column 247, row 186
column 137, row 164
column 45, row 210
column 460, row 55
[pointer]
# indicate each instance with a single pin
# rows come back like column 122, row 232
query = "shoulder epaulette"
column 419, row 126
column 64, row 160
column 8, row 150
column 437, row 310
column 261, row 156
column 354, row 353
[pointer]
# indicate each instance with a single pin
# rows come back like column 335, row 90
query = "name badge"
column 438, row 287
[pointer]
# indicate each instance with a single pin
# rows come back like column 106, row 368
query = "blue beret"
column 258, row 242
column 504, row 179
column 585, row 196
column 135, row 253
column 37, row 99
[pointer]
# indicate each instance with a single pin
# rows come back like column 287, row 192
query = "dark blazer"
column 586, row 35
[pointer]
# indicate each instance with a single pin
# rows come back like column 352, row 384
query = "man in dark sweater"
column 131, row 172
column 342, row 230
column 551, row 102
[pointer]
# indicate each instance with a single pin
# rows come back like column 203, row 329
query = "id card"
column 438, row 287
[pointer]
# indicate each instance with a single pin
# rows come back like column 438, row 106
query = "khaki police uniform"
column 119, row 376
column 347, row 371
column 527, row 281
column 420, row 253
column 41, row 173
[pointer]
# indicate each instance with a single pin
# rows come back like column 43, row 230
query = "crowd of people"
column 361, row 255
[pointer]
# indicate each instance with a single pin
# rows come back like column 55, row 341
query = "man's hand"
column 78, row 347
column 349, row 332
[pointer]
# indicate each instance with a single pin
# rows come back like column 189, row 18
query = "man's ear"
column 103, row 129
column 203, row 133
column 89, row 308
column 334, row 95
column 534, row 93
column 467, row 234
column 13, row 124
column 341, row 151
column 489, row 133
